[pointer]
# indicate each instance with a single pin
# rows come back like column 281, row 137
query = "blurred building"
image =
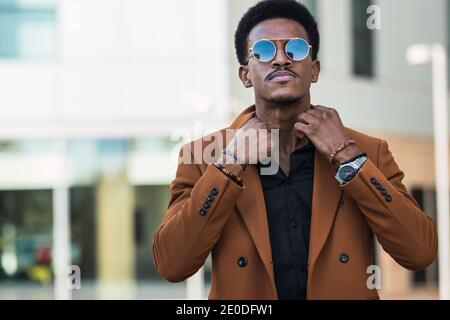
column 95, row 96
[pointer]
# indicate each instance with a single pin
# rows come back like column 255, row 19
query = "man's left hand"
column 324, row 128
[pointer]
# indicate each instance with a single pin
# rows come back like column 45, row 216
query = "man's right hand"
column 251, row 144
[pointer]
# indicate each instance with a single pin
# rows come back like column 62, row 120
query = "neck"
column 285, row 115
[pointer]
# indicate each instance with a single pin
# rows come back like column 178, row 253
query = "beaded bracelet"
column 340, row 148
column 229, row 174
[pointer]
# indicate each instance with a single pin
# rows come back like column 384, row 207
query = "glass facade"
column 363, row 42
column 28, row 29
column 112, row 218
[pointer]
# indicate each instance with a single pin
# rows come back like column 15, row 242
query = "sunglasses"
column 265, row 50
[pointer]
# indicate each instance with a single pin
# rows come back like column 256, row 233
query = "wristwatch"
column 348, row 171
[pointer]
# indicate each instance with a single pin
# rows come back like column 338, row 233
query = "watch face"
column 346, row 173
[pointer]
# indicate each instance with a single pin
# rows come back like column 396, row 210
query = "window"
column 362, row 39
column 311, row 5
column 26, row 222
column 427, row 201
column 26, row 239
column 27, row 28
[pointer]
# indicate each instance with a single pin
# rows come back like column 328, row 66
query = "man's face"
column 281, row 90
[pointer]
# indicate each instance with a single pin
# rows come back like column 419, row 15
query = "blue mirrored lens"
column 297, row 49
column 264, row 50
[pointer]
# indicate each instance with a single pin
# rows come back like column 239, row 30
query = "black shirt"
column 288, row 204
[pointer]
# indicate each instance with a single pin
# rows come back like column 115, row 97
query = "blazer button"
column 373, row 181
column 344, row 258
column 210, row 198
column 242, row 262
column 202, row 211
column 214, row 191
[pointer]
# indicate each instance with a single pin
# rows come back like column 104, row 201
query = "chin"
column 285, row 100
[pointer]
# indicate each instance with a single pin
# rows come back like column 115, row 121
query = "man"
column 306, row 231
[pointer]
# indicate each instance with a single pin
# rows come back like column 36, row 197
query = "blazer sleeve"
column 404, row 231
column 200, row 205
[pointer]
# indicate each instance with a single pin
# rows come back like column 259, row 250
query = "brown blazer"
column 233, row 225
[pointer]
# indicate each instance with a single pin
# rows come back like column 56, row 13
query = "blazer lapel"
column 252, row 208
column 326, row 198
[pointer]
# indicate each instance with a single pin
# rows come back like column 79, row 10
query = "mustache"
column 280, row 70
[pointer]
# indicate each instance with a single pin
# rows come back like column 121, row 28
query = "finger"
column 253, row 122
column 318, row 113
column 265, row 145
column 301, row 129
column 325, row 109
column 321, row 108
column 306, row 118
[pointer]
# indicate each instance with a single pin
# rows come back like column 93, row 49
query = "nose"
column 281, row 59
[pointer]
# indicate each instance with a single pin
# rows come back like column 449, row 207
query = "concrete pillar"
column 115, row 242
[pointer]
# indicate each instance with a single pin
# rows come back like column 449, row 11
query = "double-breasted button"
column 210, row 198
column 202, row 211
column 344, row 258
column 388, row 198
column 373, row 181
column 214, row 191
column 242, row 262
column 207, row 204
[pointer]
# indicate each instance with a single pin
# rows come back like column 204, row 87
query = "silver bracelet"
column 231, row 154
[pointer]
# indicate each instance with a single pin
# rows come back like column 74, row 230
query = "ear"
column 243, row 75
column 315, row 71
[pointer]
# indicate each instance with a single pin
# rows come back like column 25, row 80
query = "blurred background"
column 97, row 96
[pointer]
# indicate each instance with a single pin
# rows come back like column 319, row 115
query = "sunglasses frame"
column 251, row 52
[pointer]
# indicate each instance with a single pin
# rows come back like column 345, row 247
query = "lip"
column 281, row 76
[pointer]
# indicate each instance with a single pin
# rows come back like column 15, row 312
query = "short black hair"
column 269, row 9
